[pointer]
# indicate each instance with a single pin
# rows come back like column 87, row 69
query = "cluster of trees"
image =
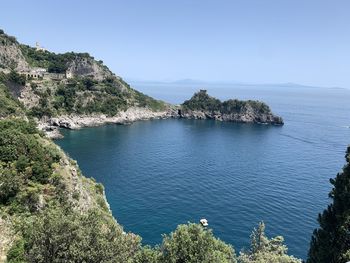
column 54, row 63
column 5, row 39
column 59, row 235
column 26, row 165
column 203, row 102
column 9, row 105
column 95, row 237
column 86, row 95
column 12, row 77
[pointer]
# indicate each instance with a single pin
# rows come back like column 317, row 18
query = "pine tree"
column 330, row 243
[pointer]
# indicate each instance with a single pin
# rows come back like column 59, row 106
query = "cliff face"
column 203, row 106
column 11, row 56
column 88, row 67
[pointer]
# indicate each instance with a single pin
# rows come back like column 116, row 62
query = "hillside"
column 67, row 84
column 74, row 90
column 203, row 106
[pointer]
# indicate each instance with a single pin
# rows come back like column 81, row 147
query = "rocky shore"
column 51, row 125
column 247, row 117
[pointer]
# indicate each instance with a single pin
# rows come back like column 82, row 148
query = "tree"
column 264, row 250
column 192, row 243
column 330, row 243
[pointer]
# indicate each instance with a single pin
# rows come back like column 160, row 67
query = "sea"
column 161, row 173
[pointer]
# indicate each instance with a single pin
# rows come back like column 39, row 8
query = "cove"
column 161, row 173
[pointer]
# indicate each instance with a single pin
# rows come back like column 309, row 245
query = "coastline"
column 51, row 126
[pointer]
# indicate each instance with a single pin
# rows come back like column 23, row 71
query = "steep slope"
column 37, row 181
column 11, row 56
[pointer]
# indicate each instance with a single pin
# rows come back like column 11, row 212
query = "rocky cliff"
column 11, row 56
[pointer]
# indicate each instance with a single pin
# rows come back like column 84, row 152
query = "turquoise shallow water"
column 161, row 173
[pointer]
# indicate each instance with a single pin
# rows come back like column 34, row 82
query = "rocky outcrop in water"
column 249, row 116
column 203, row 106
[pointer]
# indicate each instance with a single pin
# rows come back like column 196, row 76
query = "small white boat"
column 204, row 222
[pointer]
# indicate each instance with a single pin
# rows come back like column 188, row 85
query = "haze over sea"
column 158, row 174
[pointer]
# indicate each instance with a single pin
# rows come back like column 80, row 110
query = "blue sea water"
column 161, row 173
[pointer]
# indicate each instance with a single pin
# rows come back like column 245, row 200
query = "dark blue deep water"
column 162, row 173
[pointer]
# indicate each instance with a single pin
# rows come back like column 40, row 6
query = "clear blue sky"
column 262, row 41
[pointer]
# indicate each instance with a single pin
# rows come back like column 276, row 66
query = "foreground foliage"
column 191, row 243
column 330, row 243
column 266, row 250
column 51, row 224
column 62, row 235
column 26, row 165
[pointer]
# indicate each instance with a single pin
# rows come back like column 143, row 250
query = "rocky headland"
column 203, row 106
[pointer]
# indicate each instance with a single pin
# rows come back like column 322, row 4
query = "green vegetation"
column 34, row 192
column 191, row 243
column 330, row 243
column 25, row 165
column 54, row 63
column 84, row 95
column 201, row 101
column 266, row 250
column 94, row 88
column 62, row 235
column 9, row 105
column 147, row 101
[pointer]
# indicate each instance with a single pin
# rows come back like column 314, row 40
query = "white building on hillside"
column 38, row 47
